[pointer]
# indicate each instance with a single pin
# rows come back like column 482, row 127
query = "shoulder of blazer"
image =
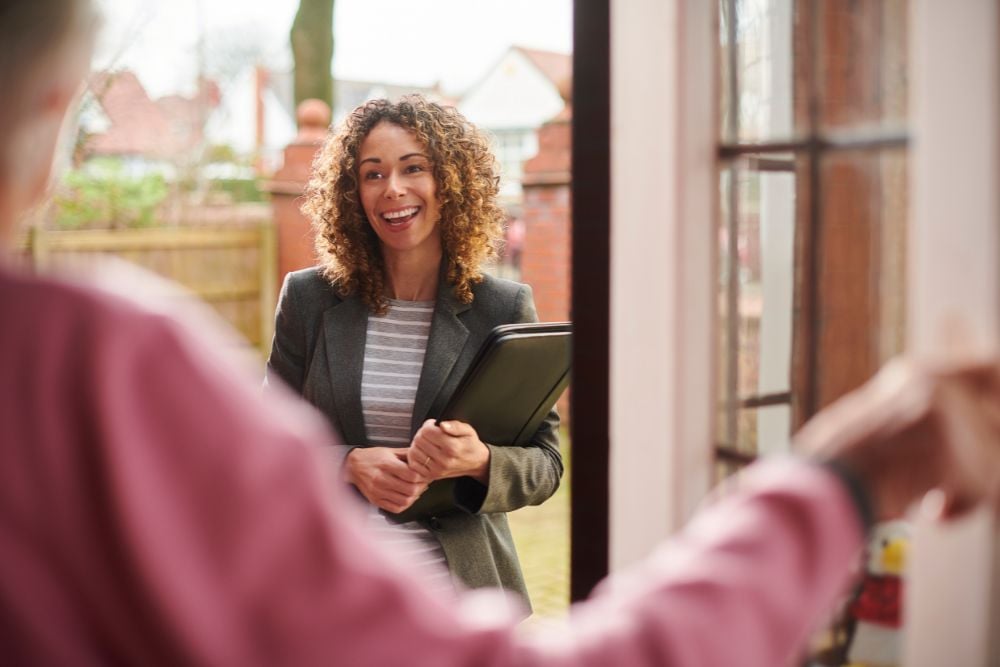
column 312, row 289
column 497, row 290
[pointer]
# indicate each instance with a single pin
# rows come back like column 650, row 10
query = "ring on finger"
column 427, row 461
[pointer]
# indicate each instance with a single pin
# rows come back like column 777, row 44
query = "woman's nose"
column 393, row 186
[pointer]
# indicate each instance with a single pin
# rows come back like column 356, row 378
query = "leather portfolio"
column 513, row 382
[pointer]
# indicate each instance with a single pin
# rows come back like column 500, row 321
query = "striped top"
column 394, row 354
column 395, row 345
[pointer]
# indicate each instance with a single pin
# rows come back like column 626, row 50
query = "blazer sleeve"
column 519, row 476
column 287, row 358
column 290, row 353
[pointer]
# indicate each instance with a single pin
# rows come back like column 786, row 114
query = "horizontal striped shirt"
column 395, row 345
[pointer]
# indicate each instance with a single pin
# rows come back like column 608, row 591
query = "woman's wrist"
column 481, row 473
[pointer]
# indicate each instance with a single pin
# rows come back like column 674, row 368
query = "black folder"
column 514, row 380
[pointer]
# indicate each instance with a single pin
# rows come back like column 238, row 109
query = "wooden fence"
column 232, row 269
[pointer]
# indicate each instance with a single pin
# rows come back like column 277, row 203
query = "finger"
column 399, row 496
column 430, row 442
column 406, row 476
column 425, row 464
column 457, row 429
column 430, row 436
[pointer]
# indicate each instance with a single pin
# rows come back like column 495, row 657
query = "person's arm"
column 222, row 540
column 231, row 546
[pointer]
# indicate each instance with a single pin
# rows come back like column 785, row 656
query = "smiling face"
column 399, row 193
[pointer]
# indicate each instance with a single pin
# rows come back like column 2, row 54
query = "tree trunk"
column 312, row 50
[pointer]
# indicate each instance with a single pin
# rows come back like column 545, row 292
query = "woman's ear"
column 32, row 152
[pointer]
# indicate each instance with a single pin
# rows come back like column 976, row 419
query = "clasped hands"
column 392, row 478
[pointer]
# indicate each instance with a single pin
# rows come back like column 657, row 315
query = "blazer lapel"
column 345, row 329
column 444, row 345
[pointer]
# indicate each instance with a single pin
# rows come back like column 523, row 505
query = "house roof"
column 350, row 94
column 557, row 67
column 139, row 125
column 347, row 94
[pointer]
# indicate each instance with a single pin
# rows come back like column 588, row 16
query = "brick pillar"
column 546, row 261
column 295, row 236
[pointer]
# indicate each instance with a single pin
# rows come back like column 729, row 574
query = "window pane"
column 863, row 66
column 861, row 272
column 762, row 68
column 765, row 431
column 756, row 278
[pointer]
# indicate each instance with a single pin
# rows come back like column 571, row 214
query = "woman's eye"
column 414, row 168
column 371, row 175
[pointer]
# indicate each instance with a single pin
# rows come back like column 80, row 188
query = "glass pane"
column 726, row 473
column 765, row 431
column 761, row 108
column 861, row 273
column 756, row 250
column 863, row 63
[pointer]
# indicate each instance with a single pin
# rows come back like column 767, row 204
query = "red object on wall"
column 295, row 235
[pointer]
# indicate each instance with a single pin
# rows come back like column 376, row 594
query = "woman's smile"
column 397, row 219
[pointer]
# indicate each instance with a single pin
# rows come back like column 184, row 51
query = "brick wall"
column 546, row 258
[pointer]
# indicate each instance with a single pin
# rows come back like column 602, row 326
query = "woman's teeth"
column 397, row 217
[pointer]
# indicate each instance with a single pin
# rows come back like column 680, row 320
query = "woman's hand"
column 452, row 449
column 914, row 428
column 384, row 478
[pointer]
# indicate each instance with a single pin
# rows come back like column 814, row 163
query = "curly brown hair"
column 465, row 172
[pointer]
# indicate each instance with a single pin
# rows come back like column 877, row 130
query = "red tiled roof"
column 162, row 128
column 557, row 67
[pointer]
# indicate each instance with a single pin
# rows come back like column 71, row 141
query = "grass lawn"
column 542, row 537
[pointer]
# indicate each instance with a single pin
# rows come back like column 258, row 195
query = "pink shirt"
column 153, row 510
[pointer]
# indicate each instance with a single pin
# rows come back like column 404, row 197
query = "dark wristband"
column 857, row 490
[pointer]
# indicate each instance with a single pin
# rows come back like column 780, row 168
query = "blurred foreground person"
column 154, row 511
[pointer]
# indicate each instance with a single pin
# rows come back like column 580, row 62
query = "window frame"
column 812, row 145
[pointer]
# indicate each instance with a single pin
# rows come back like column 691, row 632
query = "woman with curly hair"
column 403, row 201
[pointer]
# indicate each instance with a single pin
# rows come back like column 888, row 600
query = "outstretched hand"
column 913, row 428
column 452, row 449
column 383, row 476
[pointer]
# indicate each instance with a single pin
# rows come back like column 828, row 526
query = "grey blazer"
column 318, row 350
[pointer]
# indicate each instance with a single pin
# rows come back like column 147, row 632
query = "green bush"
column 104, row 195
column 239, row 189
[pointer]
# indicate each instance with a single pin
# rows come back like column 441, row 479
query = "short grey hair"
column 37, row 41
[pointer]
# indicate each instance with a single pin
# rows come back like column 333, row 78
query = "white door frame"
column 954, row 299
column 664, row 191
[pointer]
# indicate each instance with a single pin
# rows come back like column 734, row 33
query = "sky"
column 421, row 42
